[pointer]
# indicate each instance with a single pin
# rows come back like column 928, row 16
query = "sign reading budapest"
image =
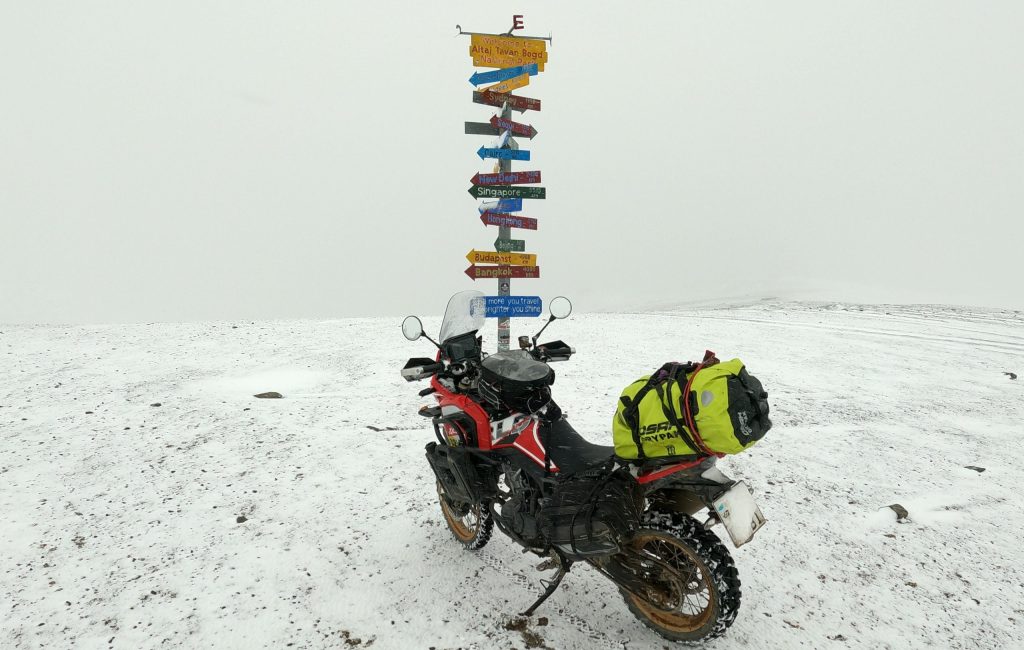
column 493, row 257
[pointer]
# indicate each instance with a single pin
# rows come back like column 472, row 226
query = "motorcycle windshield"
column 465, row 313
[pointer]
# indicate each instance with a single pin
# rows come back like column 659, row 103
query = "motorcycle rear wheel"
column 471, row 525
column 698, row 588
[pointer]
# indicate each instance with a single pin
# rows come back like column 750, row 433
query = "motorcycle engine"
column 518, row 512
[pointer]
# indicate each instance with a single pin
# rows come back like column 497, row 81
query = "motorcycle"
column 505, row 456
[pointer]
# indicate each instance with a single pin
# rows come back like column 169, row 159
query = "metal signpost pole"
column 505, row 232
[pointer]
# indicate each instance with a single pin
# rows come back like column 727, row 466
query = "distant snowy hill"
column 148, row 500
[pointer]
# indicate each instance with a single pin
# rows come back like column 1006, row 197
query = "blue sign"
column 503, row 154
column 501, row 75
column 504, row 205
column 507, row 306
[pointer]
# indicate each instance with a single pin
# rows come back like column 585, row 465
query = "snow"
column 120, row 518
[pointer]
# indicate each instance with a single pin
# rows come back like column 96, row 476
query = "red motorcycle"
column 505, row 456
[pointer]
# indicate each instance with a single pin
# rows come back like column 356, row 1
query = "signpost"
column 503, row 154
column 505, row 306
column 516, row 58
column 519, row 103
column 504, row 205
column 507, row 221
column 497, row 61
column 507, row 192
column 511, row 178
column 493, row 257
column 501, row 75
column 482, row 128
column 525, row 130
column 509, row 85
column 509, row 245
column 485, row 272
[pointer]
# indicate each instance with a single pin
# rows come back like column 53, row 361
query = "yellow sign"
column 489, row 61
column 509, row 85
column 490, row 257
column 508, row 46
column 507, row 52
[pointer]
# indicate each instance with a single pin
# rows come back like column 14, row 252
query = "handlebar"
column 553, row 351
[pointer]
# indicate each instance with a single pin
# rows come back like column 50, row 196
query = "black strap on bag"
column 665, row 395
column 631, row 411
column 630, row 415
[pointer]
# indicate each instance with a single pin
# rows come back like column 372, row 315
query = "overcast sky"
column 225, row 160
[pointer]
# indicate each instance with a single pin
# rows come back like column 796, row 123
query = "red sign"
column 506, row 178
column 515, row 101
column 508, row 220
column 525, row 130
column 479, row 272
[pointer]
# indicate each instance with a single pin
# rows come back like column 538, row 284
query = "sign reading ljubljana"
column 516, row 59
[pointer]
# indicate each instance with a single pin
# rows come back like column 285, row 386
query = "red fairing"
column 483, row 425
column 529, row 444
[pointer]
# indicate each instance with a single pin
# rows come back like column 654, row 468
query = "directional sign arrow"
column 504, row 205
column 505, row 306
column 505, row 178
column 507, row 192
column 509, row 245
column 517, row 102
column 501, row 75
column 482, row 128
column 477, row 272
column 508, row 220
column 509, row 85
column 525, row 130
column 492, row 257
column 503, row 154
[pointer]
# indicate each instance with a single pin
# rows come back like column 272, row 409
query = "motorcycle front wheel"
column 694, row 590
column 470, row 524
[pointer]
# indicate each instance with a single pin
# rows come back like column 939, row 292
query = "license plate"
column 739, row 513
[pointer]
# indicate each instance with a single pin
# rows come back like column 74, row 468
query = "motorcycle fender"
column 678, row 500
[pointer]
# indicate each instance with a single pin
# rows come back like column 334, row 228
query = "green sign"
column 507, row 192
column 509, row 245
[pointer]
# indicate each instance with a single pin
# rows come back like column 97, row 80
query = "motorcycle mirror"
column 560, row 307
column 412, row 328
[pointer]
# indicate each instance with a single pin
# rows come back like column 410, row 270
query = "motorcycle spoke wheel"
column 694, row 592
column 683, row 603
column 470, row 524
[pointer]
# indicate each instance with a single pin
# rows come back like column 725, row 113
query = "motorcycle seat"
column 571, row 453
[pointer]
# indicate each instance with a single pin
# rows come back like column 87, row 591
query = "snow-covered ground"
column 130, row 454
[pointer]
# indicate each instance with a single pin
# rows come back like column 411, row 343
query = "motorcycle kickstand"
column 549, row 588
